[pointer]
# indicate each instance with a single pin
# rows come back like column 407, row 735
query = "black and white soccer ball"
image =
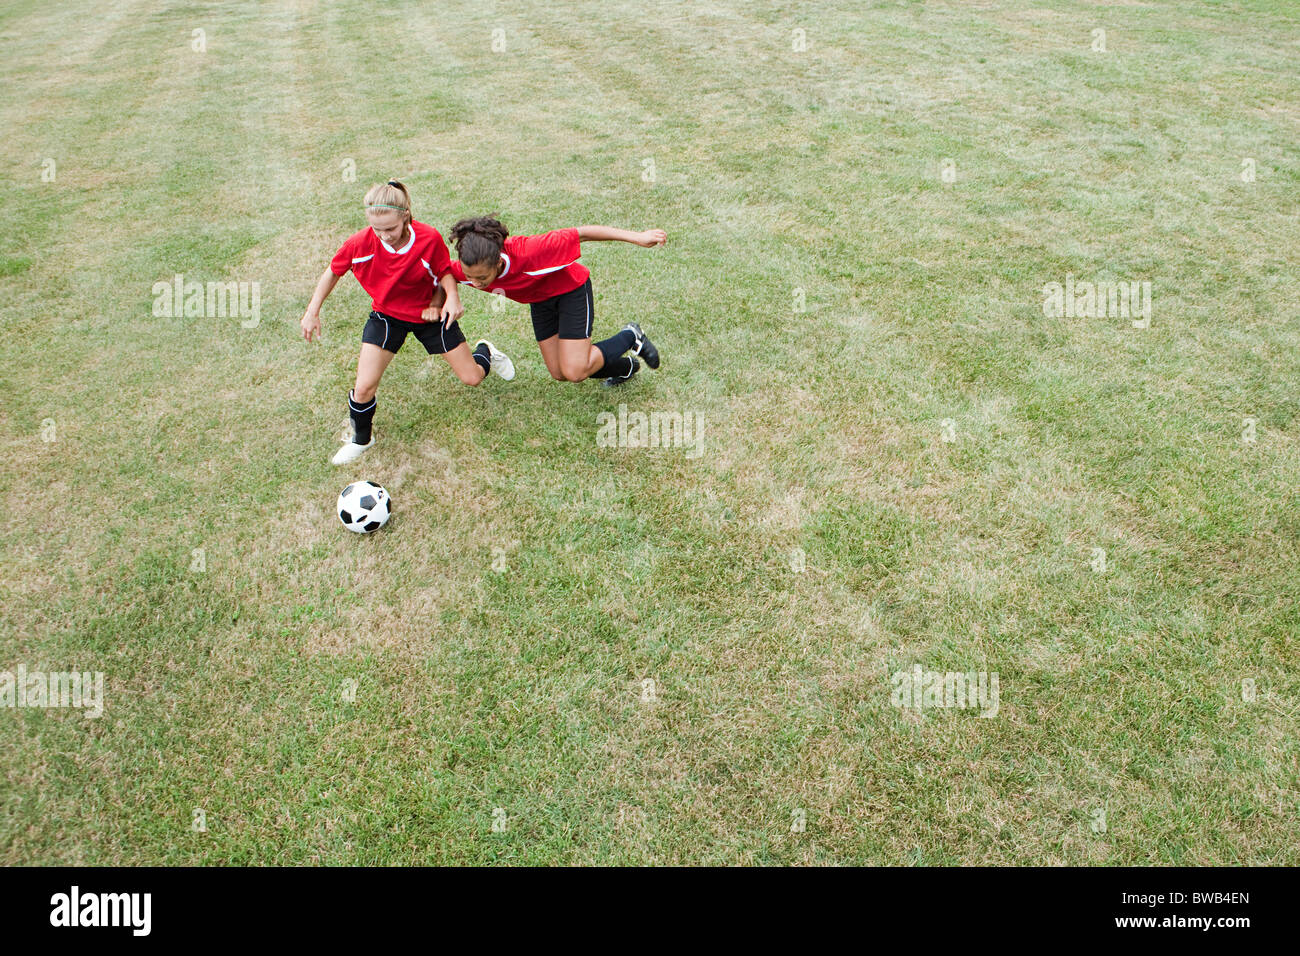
column 364, row 507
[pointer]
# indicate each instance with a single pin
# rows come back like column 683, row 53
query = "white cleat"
column 500, row 362
column 351, row 451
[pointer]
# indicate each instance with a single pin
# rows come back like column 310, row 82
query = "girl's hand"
column 310, row 326
column 433, row 312
column 651, row 237
column 452, row 310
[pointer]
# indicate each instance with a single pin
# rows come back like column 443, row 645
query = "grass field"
column 905, row 462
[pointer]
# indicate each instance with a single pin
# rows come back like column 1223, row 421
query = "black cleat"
column 644, row 347
column 620, row 379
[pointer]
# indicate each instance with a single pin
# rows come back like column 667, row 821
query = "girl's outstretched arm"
column 651, row 237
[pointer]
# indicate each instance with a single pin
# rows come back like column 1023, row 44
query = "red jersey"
column 400, row 281
column 537, row 267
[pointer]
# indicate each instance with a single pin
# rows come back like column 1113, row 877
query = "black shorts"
column 569, row 314
column 389, row 334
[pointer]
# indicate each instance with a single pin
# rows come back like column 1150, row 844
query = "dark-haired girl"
column 405, row 267
column 544, row 271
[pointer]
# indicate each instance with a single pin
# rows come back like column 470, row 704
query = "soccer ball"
column 364, row 507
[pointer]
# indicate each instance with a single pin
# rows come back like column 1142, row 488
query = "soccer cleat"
column 351, row 451
column 499, row 361
column 620, row 379
column 644, row 347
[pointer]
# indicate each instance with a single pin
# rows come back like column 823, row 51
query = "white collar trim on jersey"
column 406, row 248
column 507, row 268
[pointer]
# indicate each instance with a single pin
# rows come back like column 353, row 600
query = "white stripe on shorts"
column 589, row 295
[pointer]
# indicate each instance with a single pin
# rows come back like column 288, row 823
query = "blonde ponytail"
column 390, row 195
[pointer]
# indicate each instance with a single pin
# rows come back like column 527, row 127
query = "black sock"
column 483, row 355
column 618, row 367
column 362, row 416
column 611, row 348
column 616, row 345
